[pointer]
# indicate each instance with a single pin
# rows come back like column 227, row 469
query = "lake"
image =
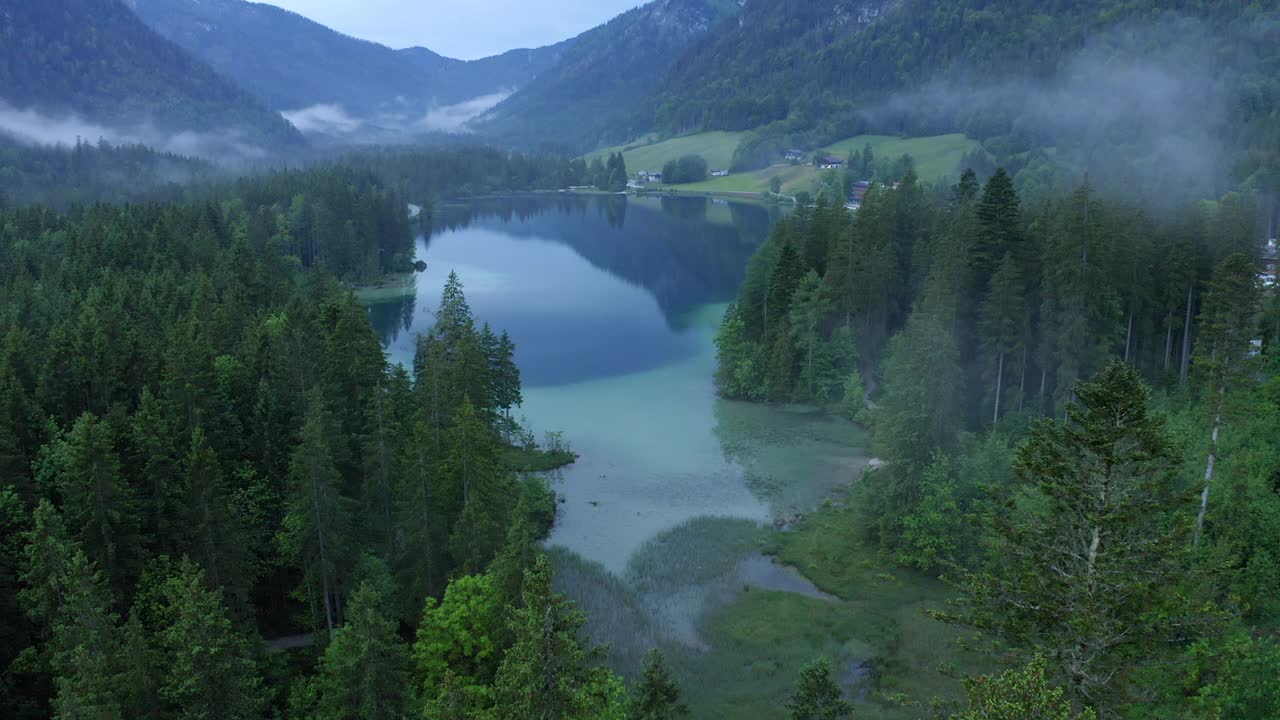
column 613, row 304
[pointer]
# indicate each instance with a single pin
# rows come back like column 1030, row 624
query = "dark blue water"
column 588, row 287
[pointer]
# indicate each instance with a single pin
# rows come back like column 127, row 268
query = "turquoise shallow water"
column 613, row 309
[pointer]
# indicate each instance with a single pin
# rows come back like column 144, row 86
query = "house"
column 829, row 162
column 794, row 155
column 859, row 192
column 719, row 173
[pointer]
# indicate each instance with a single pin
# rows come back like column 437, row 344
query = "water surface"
column 613, row 304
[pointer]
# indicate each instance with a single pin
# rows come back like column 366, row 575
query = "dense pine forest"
column 205, row 454
column 1075, row 404
column 221, row 500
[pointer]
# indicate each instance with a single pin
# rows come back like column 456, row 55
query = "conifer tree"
column 99, row 504
column 1000, row 232
column 1224, row 352
column 68, row 595
column 209, row 670
column 548, row 674
column 473, row 485
column 1091, row 577
column 214, row 537
column 657, row 697
column 364, row 671
column 816, row 696
column 1003, row 323
column 784, row 278
column 316, row 536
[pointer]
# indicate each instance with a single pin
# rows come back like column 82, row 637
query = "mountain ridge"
column 93, row 63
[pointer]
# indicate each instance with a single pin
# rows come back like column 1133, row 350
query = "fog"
column 454, row 118
column 32, row 127
column 334, row 120
column 1138, row 107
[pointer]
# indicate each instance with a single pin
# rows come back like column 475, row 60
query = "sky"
column 463, row 29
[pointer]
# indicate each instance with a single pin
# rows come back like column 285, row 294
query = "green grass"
column 521, row 459
column 937, row 157
column 761, row 640
column 716, row 147
column 392, row 287
column 795, row 178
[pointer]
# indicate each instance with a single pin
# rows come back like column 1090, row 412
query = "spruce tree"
column 784, row 278
column 657, row 697
column 213, row 534
column 99, row 504
column 474, row 484
column 67, row 594
column 316, row 536
column 1091, row 574
column 1000, row 230
column 364, row 671
column 1224, row 352
column 816, row 696
column 1002, row 322
column 209, row 671
column 548, row 674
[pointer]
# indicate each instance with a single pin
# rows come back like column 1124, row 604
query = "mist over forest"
column 806, row 359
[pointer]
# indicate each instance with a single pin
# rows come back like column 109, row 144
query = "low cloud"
column 454, row 118
column 1140, row 107
column 32, row 127
column 393, row 124
column 330, row 119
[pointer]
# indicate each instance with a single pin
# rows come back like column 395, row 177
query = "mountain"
column 284, row 58
column 94, row 60
column 331, row 83
column 1183, row 93
column 499, row 74
column 590, row 95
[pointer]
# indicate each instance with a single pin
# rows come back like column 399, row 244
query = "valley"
column 602, row 360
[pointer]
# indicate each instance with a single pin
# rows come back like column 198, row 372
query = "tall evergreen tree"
column 364, row 671
column 83, row 468
column 68, row 595
column 209, row 671
column 1223, row 354
column 548, row 674
column 1091, row 576
column 816, row 696
column 316, row 536
column 1002, row 321
column 657, row 697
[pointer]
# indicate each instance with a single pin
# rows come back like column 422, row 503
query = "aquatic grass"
column 390, row 288
column 614, row 615
column 700, row 551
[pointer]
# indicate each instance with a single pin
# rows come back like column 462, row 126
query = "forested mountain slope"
column 96, row 60
column 1027, row 74
column 293, row 64
column 285, row 59
column 593, row 93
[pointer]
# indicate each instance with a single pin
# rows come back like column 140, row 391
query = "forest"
column 1122, row 89
column 1075, row 405
column 207, row 459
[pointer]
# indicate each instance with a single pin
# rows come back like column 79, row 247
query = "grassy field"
column 894, row 657
column 937, row 158
column 390, row 288
column 795, row 178
column 716, row 147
